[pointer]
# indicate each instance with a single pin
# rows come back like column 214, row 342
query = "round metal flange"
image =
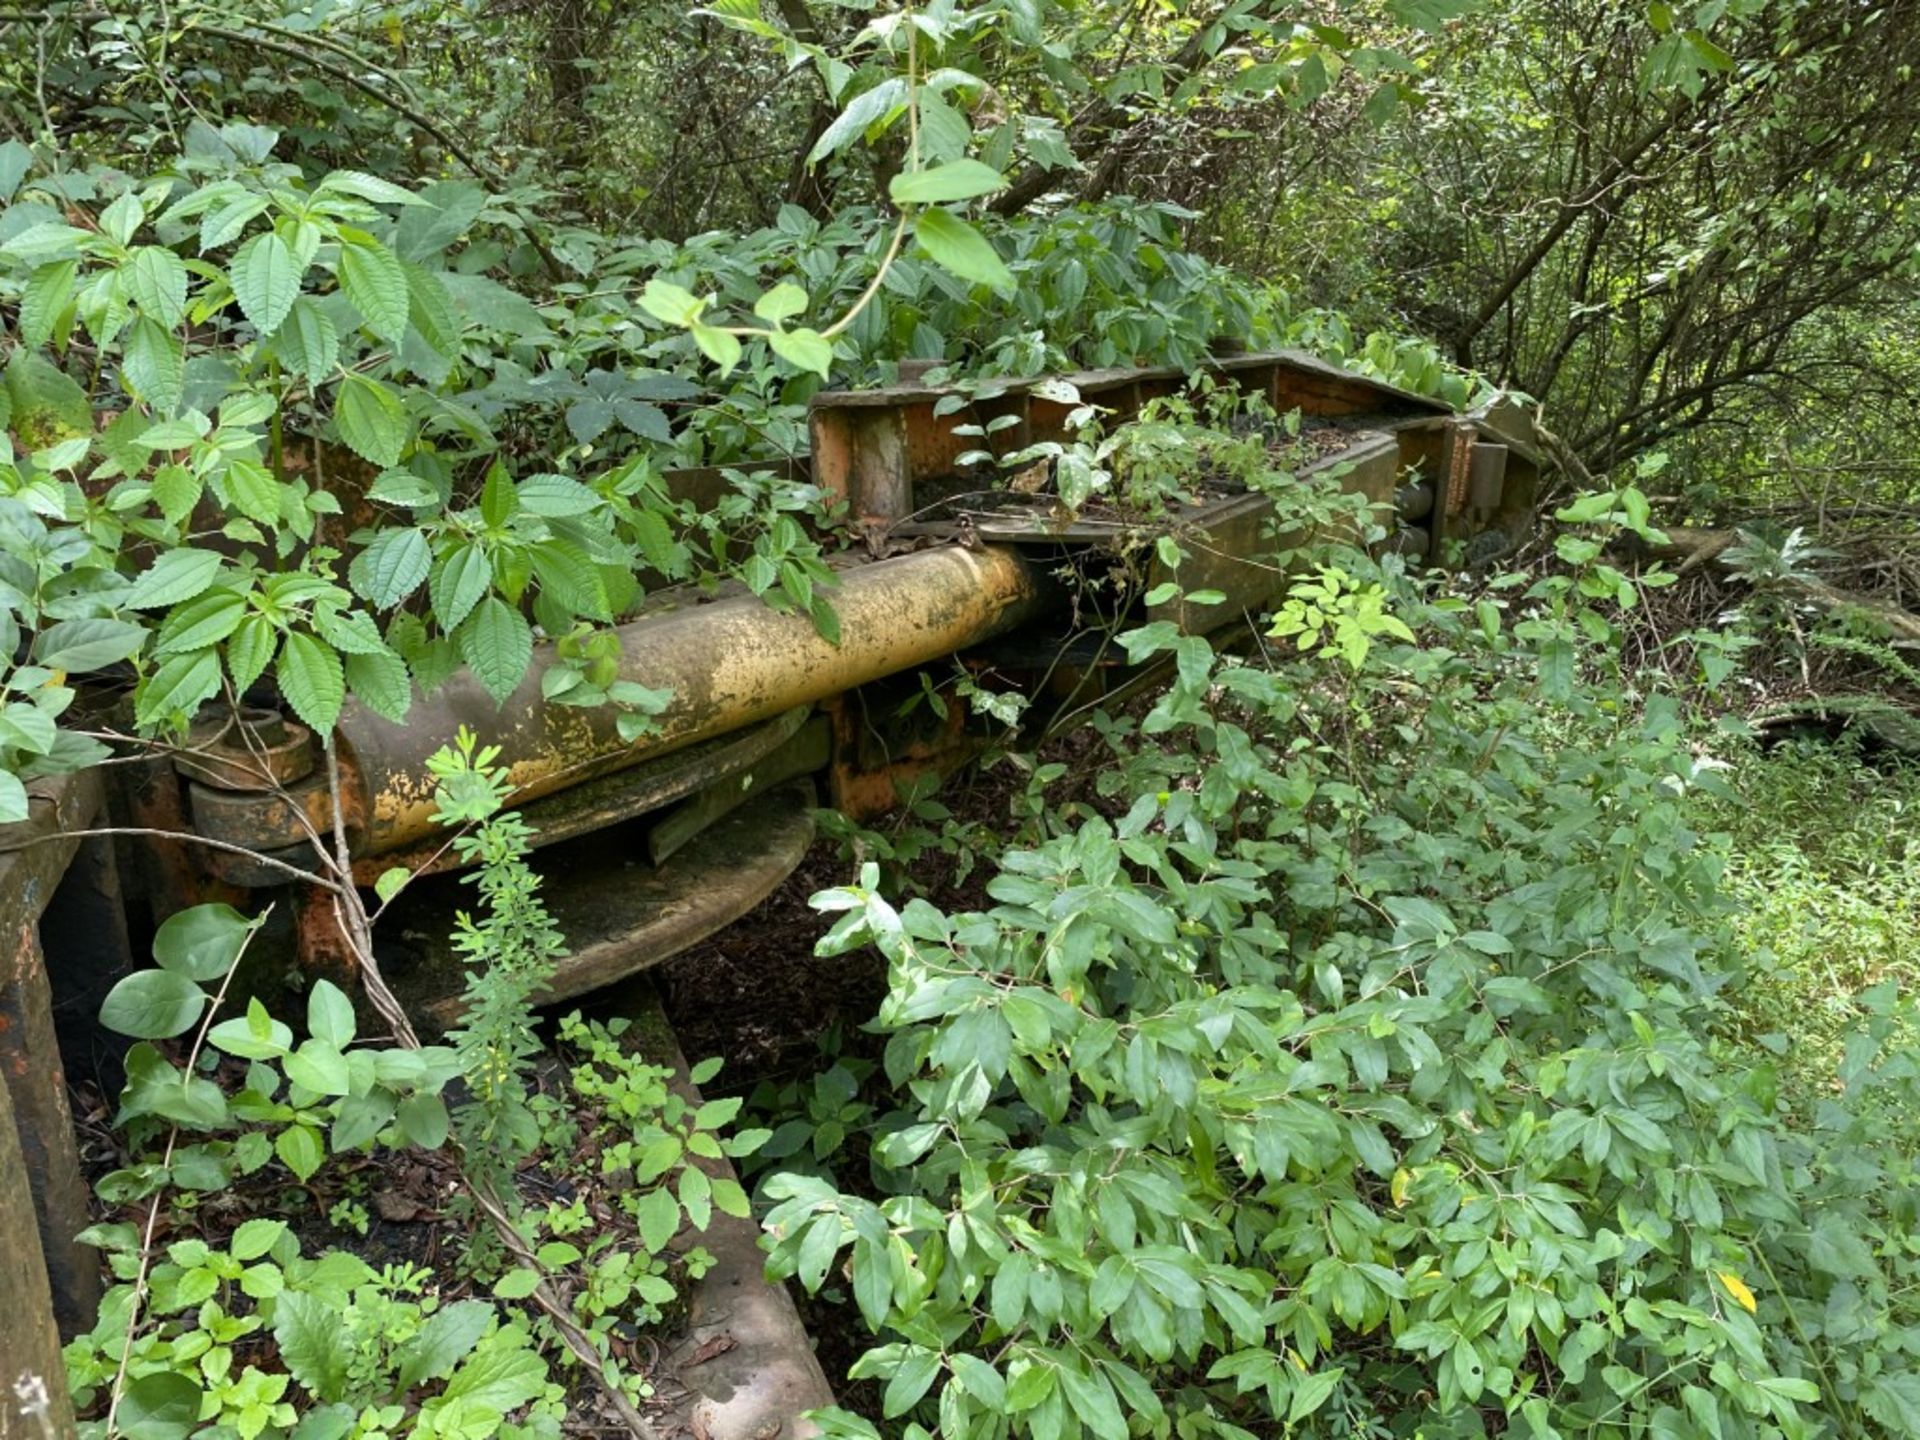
column 257, row 750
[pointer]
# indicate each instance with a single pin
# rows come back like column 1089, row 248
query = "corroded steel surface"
column 729, row 664
column 619, row 913
column 34, row 854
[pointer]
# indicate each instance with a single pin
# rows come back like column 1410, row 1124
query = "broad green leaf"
column 330, row 1015
column 265, row 276
column 446, row 1339
column 312, row 681
column 863, row 112
column 309, row 342
column 176, row 490
column 782, row 302
column 254, row 1238
column 202, row 942
column 177, row 689
column 371, row 275
column 959, row 180
column 379, row 680
column 153, row 1005
column 803, row 349
column 371, row 420
column 717, row 345
column 457, row 584
column 671, row 303
column 367, row 187
column 153, row 363
column 177, row 575
column 392, row 567
column 423, row 1120
column 497, row 645
column 15, row 804
column 319, row 1067
column 659, row 1215
column 301, row 1150
column 499, row 1378
column 250, row 650
column 253, row 490
column 313, row 1343
column 955, row 245
column 162, row 1406
column 82, row 645
column 49, row 291
column 157, row 281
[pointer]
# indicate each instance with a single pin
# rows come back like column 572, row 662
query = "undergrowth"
column 1825, row 865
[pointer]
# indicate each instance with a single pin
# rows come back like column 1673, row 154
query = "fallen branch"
column 1694, row 548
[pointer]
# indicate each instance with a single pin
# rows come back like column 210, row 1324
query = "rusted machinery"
column 650, row 846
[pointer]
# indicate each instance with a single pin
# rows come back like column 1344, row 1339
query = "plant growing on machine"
column 333, row 1323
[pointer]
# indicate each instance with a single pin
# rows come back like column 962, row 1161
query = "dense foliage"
column 1423, row 1020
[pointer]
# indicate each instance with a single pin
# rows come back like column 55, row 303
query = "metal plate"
column 619, row 914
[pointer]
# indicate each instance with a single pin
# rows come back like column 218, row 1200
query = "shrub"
column 1358, row 1075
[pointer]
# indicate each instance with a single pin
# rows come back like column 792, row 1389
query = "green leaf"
column 153, row 1005
column 671, row 303
column 253, row 490
column 312, row 681
column 1310, row 1393
column 177, row 689
column 782, row 302
column 82, row 645
column 371, row 275
column 803, row 349
column 497, row 645
column 458, row 584
column 1092, row 1400
column 371, row 420
column 391, row 881
column 153, row 364
column 161, row 1406
column 423, row 1120
column 319, row 1067
column 960, row 180
column 177, row 575
column 446, row 1339
column 391, row 568
column 916, row 1372
column 300, row 1149
column 49, row 291
column 955, row 245
column 250, row 650
column 517, row 1284
column 659, row 1215
column 203, row 942
column 258, row 1037
column 265, row 276
column 157, row 281
column 198, row 623
column 862, row 113
column 311, row 1335
column 556, row 496
column 309, row 342
column 717, row 345
column 499, row 1378
column 367, row 187
column 381, row 683
column 254, row 1238
column 330, row 1015
column 176, row 490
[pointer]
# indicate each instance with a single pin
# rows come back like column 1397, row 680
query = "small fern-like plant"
column 510, row 947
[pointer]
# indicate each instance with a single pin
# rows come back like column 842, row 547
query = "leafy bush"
column 1358, row 1074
